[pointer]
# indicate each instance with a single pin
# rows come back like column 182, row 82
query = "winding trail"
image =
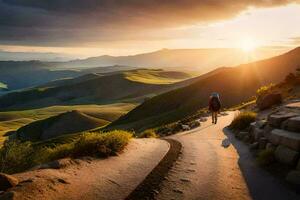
column 207, row 170
column 204, row 170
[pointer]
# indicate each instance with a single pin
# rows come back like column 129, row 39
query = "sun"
column 248, row 45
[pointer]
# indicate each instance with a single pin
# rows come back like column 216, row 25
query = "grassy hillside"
column 66, row 123
column 156, row 76
column 94, row 88
column 235, row 85
column 13, row 120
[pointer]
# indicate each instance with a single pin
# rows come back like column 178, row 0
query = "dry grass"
column 16, row 156
column 243, row 120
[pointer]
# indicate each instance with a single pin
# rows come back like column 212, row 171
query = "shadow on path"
column 261, row 184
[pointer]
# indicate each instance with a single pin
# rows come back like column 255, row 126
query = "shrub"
column 265, row 157
column 15, row 156
column 264, row 90
column 243, row 120
column 18, row 156
column 150, row 133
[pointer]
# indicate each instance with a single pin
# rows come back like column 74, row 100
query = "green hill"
column 66, row 123
column 96, row 88
column 235, row 85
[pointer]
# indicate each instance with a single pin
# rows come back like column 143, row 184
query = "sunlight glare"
column 248, row 45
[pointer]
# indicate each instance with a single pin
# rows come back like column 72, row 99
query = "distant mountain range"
column 187, row 59
column 16, row 75
column 235, row 85
column 132, row 85
column 23, row 74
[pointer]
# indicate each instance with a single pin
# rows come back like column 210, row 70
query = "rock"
column 286, row 138
column 203, row 119
column 293, row 124
column 286, row 155
column 268, row 101
column 194, row 124
column 254, row 146
column 276, row 120
column 177, row 191
column 226, row 143
column 298, row 165
column 8, row 196
column 246, row 139
column 241, row 135
column 261, row 124
column 293, row 177
column 62, row 181
column 185, row 127
column 57, row 164
column 258, row 133
column 7, row 181
column 262, row 143
column 267, row 131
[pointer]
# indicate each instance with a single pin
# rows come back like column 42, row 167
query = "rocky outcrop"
column 279, row 133
column 7, row 181
column 286, row 155
column 269, row 100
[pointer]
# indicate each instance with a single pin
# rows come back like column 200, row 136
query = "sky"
column 83, row 28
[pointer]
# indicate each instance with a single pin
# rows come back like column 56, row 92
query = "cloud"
column 66, row 22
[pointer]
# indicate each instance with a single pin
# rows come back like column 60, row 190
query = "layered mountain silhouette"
column 105, row 88
column 235, row 85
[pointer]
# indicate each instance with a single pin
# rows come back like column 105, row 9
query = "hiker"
column 214, row 106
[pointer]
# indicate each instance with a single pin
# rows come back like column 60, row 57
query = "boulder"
column 7, row 181
column 262, row 143
column 9, row 196
column 276, row 120
column 286, row 155
column 254, row 146
column 286, row 138
column 293, row 177
column 185, row 127
column 267, row 131
column 269, row 100
column 258, row 133
column 203, row 119
column 194, row 124
column 241, row 135
column 293, row 124
column 261, row 124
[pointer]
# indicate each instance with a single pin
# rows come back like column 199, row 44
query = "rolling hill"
column 134, row 85
column 10, row 121
column 59, row 125
column 235, row 85
column 17, row 75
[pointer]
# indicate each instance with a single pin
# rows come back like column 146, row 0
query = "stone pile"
column 280, row 132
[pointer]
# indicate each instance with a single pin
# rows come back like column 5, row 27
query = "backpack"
column 215, row 103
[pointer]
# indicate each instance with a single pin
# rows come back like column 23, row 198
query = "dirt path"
column 207, row 170
column 110, row 179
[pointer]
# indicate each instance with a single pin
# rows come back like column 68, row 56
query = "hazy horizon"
column 65, row 31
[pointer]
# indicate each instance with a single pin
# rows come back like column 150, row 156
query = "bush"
column 243, row 120
column 264, row 90
column 150, row 133
column 16, row 156
column 265, row 157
